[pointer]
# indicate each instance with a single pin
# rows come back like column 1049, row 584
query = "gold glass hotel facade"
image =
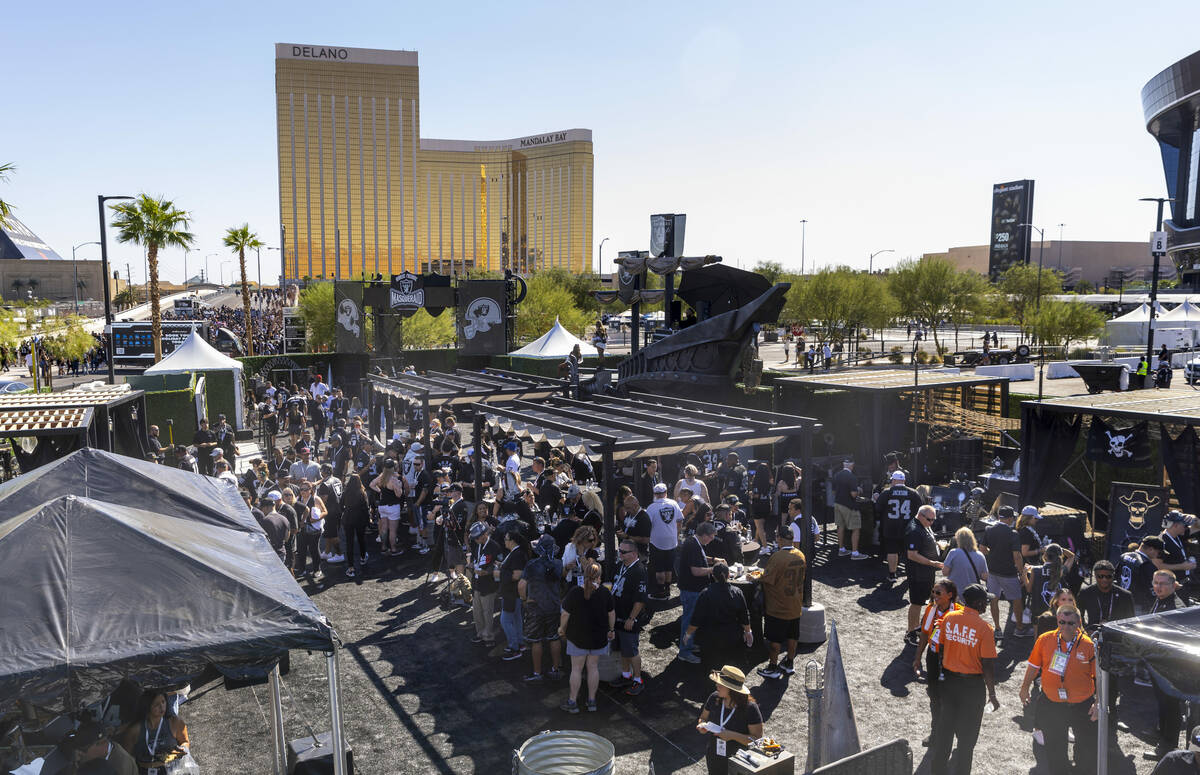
column 362, row 193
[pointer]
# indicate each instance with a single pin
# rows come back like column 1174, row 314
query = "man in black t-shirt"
column 564, row 530
column 845, row 510
column 1135, row 572
column 205, row 441
column 731, row 476
column 648, row 479
column 1103, row 601
column 635, row 526
column 1002, row 546
column 922, row 567
column 695, row 571
column 894, row 511
column 275, row 525
column 629, row 597
column 483, row 559
column 1176, row 527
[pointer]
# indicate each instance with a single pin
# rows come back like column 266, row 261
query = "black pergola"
column 956, row 400
column 643, row 425
column 436, row 389
column 117, row 422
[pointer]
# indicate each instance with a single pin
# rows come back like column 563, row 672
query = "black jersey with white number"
column 897, row 505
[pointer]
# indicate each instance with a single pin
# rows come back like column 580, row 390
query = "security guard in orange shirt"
column 1066, row 660
column 968, row 655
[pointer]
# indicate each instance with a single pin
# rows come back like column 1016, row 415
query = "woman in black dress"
column 356, row 513
column 731, row 719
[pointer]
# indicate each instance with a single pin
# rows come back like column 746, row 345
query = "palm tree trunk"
column 155, row 313
column 246, row 303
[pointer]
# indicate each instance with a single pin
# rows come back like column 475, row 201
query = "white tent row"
column 1132, row 327
column 556, row 343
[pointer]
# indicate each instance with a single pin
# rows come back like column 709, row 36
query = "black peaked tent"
column 104, row 476
column 108, row 592
column 1167, row 643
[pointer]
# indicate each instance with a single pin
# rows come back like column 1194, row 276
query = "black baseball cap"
column 975, row 595
column 1006, row 512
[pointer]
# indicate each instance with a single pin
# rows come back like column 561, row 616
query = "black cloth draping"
column 1181, row 458
column 1048, row 440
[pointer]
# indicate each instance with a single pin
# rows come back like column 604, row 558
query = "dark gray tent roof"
column 1169, row 644
column 104, row 592
column 103, row 476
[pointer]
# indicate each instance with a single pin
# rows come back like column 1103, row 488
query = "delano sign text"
column 309, row 52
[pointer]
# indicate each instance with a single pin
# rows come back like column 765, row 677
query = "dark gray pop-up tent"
column 1168, row 644
column 104, row 476
column 114, row 590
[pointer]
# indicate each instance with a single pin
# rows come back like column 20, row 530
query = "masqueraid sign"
column 407, row 292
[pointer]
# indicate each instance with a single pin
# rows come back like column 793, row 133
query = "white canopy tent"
column 196, row 355
column 1186, row 315
column 556, row 343
column 1132, row 327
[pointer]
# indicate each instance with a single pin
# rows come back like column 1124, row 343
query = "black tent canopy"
column 103, row 476
column 721, row 287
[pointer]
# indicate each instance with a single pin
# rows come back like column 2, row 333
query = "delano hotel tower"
column 362, row 193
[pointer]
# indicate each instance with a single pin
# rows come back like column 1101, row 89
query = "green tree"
column 423, row 331
column 772, row 270
column 317, row 309
column 924, row 290
column 69, row 339
column 972, row 292
column 1059, row 323
column 239, row 239
column 10, row 330
column 547, row 299
column 5, row 207
column 154, row 223
column 839, row 301
column 1020, row 285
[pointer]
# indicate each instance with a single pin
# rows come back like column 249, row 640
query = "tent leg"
column 335, row 715
column 277, row 733
column 1102, row 679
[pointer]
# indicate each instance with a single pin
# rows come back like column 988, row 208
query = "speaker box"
column 306, row 757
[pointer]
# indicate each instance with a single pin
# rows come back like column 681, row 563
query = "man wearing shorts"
column 540, row 589
column 894, row 510
column 922, row 567
column 783, row 597
column 665, row 520
column 629, row 597
column 1003, row 550
column 845, row 510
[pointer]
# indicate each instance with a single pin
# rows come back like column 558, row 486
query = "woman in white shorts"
column 391, row 494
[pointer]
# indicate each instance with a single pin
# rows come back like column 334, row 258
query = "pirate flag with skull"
column 1121, row 447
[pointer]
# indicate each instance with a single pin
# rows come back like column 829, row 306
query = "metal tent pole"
column 1102, row 679
column 277, row 734
column 335, row 715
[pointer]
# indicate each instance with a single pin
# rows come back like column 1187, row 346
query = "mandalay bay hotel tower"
column 362, row 193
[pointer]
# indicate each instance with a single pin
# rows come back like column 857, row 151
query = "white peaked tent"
column 1186, row 315
column 1132, row 327
column 556, row 343
column 196, row 355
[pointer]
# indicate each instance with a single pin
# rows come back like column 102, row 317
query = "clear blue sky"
column 883, row 124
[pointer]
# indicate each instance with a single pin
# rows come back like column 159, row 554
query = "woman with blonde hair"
column 965, row 564
column 578, row 553
column 696, row 485
column 390, row 487
column 588, row 622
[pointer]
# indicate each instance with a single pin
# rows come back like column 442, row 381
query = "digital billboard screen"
column 1012, row 205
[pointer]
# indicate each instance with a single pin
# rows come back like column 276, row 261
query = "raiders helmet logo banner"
column 482, row 317
column 349, row 324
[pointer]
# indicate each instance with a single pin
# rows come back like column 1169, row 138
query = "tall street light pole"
column 207, row 276
column 802, row 229
column 1060, row 231
column 100, row 200
column 76, row 266
column 1038, row 307
column 601, row 257
column 871, row 260
column 185, row 258
column 1154, row 279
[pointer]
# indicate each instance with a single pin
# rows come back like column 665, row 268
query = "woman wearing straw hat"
column 730, row 718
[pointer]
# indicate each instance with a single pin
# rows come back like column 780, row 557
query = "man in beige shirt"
column 783, row 595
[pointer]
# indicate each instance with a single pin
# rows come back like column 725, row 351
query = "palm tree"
column 154, row 223
column 240, row 238
column 5, row 207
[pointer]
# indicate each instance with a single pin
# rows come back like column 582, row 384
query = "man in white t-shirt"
column 666, row 518
column 512, row 476
column 319, row 388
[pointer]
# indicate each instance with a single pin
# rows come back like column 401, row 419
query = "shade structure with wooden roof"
column 642, row 425
column 869, row 412
column 115, row 422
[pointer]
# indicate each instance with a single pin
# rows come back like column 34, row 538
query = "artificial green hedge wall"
column 176, row 405
column 222, row 398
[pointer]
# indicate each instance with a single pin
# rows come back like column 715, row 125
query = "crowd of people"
column 266, row 317
column 520, row 541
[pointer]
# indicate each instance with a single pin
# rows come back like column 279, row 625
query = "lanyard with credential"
column 726, row 717
column 153, row 749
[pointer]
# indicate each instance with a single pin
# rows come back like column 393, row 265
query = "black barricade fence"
column 1135, row 511
column 1121, row 447
column 1181, row 458
column 482, row 312
column 350, row 323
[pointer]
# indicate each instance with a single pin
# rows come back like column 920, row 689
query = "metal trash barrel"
column 565, row 752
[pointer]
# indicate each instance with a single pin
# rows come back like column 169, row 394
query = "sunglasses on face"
column 1104, row 575
column 628, row 551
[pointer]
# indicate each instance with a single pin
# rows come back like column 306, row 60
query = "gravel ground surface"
column 417, row 697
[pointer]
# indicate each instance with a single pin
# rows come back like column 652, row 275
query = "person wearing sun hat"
column 730, row 718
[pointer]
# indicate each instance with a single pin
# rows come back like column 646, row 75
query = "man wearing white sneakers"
column 845, row 510
column 665, row 520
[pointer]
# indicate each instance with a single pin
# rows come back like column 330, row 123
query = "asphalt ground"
column 418, row 697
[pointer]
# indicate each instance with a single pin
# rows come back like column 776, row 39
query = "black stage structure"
column 870, row 413
column 111, row 418
column 644, row 425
